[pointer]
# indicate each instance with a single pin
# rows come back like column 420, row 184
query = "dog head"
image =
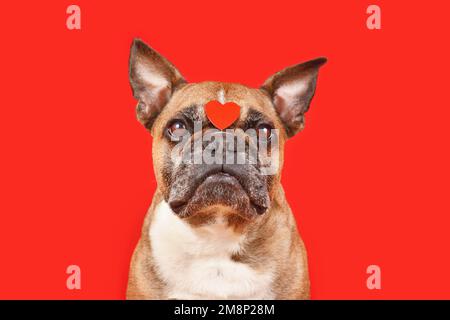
column 242, row 177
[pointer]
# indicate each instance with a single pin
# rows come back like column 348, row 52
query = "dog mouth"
column 227, row 187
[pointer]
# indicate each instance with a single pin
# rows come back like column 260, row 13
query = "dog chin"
column 220, row 190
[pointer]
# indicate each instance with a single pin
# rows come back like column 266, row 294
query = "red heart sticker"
column 222, row 115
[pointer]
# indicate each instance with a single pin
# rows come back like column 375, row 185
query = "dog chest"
column 198, row 265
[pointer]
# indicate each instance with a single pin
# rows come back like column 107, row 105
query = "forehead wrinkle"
column 221, row 96
column 199, row 94
column 193, row 112
column 254, row 116
column 244, row 112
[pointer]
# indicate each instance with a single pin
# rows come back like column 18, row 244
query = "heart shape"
column 222, row 115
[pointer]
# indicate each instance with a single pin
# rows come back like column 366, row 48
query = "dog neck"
column 197, row 262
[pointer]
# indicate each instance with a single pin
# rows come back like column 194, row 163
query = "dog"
column 218, row 231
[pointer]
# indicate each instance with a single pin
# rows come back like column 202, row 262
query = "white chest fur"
column 197, row 264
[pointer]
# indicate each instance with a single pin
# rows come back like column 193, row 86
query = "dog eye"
column 264, row 131
column 176, row 129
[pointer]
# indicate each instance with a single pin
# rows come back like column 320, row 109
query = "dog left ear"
column 153, row 80
column 292, row 90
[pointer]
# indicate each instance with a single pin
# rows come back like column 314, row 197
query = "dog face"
column 236, row 182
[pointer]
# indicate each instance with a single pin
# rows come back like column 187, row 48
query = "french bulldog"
column 218, row 230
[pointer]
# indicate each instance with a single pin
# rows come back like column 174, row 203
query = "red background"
column 368, row 179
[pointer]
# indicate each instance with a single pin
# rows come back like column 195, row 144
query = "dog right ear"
column 153, row 80
column 292, row 90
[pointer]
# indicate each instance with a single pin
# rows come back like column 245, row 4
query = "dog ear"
column 153, row 80
column 292, row 90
